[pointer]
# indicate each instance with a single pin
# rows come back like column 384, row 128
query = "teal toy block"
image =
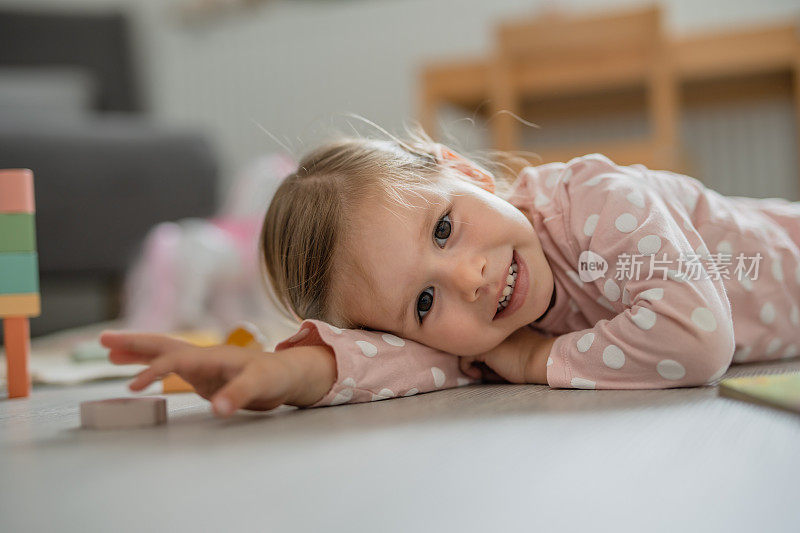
column 17, row 232
column 19, row 273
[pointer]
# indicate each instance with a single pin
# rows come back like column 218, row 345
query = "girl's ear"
column 483, row 178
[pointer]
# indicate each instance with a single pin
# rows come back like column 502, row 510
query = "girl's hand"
column 521, row 358
column 229, row 376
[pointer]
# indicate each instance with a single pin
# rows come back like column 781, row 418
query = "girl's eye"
column 443, row 229
column 424, row 303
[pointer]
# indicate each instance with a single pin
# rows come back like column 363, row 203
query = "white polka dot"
column 438, row 376
column 575, row 278
column 549, row 361
column 746, row 282
column 349, row 382
column 669, row 369
column 541, row 199
column 573, row 306
column 724, row 247
column 411, row 392
column 567, row 175
column 636, row 199
column 590, row 225
column 651, row 294
column 773, row 345
column 611, row 290
column 585, row 342
column 595, row 180
column 581, row 383
column 335, row 329
column 644, row 318
column 342, row 397
column 394, row 340
column 767, row 313
column 718, row 374
column 383, row 394
column 791, row 351
column 649, row 245
column 302, row 334
column 777, row 269
column 613, row 357
column 367, row 348
column 605, row 303
column 704, row 319
column 462, row 381
column 626, row 223
column 741, row 354
column 794, row 316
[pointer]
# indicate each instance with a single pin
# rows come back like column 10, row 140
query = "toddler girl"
column 413, row 269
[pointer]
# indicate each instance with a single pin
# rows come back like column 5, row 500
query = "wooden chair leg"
column 16, row 331
column 503, row 125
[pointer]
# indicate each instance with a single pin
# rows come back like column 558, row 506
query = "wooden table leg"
column 16, row 331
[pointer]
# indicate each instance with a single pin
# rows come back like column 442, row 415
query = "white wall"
column 290, row 65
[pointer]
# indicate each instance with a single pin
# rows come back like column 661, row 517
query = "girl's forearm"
column 314, row 373
column 536, row 366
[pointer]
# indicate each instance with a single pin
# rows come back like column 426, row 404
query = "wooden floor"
column 480, row 458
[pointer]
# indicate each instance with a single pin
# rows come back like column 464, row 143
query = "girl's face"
column 436, row 270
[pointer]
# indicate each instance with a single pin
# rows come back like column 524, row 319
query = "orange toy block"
column 245, row 335
column 16, row 332
column 174, row 383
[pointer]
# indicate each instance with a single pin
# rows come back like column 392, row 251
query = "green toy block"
column 20, row 273
column 17, row 232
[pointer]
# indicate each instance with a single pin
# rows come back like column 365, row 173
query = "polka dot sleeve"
column 372, row 365
column 672, row 324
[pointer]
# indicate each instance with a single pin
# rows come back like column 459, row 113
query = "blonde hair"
column 306, row 227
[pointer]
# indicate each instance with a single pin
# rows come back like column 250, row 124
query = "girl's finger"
column 243, row 389
column 159, row 367
column 146, row 344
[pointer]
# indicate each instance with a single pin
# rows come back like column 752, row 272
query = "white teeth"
column 511, row 280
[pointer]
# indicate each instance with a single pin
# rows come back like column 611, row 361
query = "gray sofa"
column 104, row 173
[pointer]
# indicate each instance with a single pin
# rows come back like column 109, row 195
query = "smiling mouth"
column 508, row 290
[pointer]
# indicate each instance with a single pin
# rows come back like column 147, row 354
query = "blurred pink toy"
column 204, row 273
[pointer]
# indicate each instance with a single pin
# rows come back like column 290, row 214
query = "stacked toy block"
column 19, row 275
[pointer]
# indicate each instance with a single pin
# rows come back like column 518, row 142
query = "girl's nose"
column 469, row 276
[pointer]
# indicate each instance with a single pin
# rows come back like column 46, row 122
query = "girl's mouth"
column 516, row 288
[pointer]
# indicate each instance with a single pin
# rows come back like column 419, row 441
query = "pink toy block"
column 16, row 191
column 119, row 413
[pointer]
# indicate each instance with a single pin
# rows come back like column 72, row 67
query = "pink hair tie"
column 457, row 161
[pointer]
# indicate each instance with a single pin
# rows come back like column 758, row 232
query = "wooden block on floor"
column 28, row 305
column 16, row 336
column 117, row 413
column 17, row 232
column 20, row 272
column 16, row 191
